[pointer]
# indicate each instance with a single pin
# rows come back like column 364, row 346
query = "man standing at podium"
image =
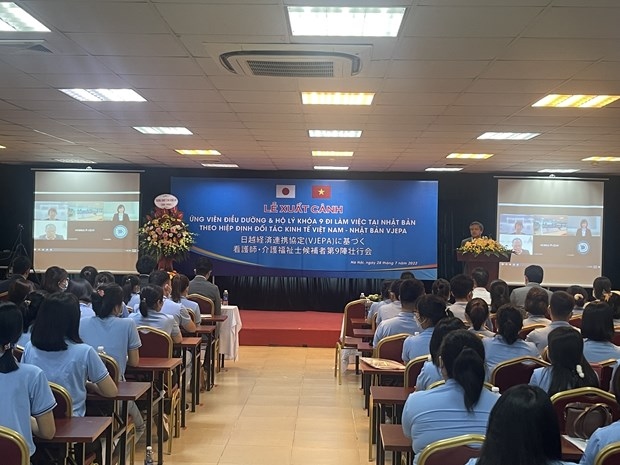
column 475, row 229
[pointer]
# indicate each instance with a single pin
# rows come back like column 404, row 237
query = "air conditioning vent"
column 296, row 64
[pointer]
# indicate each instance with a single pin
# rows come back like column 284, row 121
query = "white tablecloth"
column 229, row 332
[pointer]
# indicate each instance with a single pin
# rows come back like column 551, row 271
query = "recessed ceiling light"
column 509, row 135
column 345, row 21
column 443, row 169
column 14, row 19
column 163, row 130
column 333, row 168
column 197, row 152
column 220, row 165
column 337, row 98
column 104, row 95
column 474, row 156
column 74, row 160
column 558, row 170
column 330, row 153
column 2, row 147
column 601, row 159
column 333, row 133
column 576, row 101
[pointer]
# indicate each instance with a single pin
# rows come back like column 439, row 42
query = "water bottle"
column 362, row 296
column 100, row 350
column 148, row 460
column 225, row 298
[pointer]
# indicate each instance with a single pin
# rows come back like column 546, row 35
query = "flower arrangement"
column 165, row 235
column 374, row 297
column 484, row 246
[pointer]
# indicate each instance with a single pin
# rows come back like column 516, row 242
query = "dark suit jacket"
column 518, row 295
column 124, row 220
column 199, row 285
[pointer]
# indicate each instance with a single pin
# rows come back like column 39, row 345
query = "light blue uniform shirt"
column 374, row 307
column 70, row 368
column 599, row 351
column 24, row 338
column 600, row 438
column 86, row 310
column 440, row 413
column 429, row 374
column 539, row 336
column 177, row 311
column 194, row 307
column 157, row 320
column 117, row 336
column 497, row 350
column 389, row 310
column 404, row 322
column 541, row 377
column 133, row 301
column 418, row 345
column 24, row 393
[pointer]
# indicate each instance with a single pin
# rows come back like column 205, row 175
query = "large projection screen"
column 554, row 223
column 318, row 228
column 86, row 218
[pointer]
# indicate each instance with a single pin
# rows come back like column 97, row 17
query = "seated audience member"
column 431, row 370
column 461, row 287
column 149, row 314
column 118, row 336
column 145, row 266
column 561, row 307
column 407, row 275
column 29, row 309
column 441, row 288
column 55, row 279
column 477, row 314
column 392, row 308
column 602, row 437
column 581, row 296
column 601, row 288
column 176, row 310
column 178, row 294
column 430, row 309
column 56, row 348
column 89, row 273
column 20, row 269
column 536, row 307
column 506, row 344
column 481, row 280
column 569, row 369
column 24, row 389
column 523, row 430
column 405, row 322
column 597, row 328
column 533, row 277
column 201, row 284
column 500, row 294
column 18, row 290
column 461, row 406
column 82, row 289
column 103, row 278
column 385, row 299
column 131, row 292
column 613, row 300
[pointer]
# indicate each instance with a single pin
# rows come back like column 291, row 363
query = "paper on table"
column 578, row 443
column 383, row 363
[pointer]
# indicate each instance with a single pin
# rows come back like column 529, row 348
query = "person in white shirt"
column 393, row 308
column 461, row 287
column 385, row 296
column 481, row 280
column 561, row 307
column 536, row 307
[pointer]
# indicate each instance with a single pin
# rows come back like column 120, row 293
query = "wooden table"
column 207, row 333
column 359, row 323
column 217, row 320
column 368, row 373
column 192, row 345
column 81, row 431
column 153, row 367
column 570, row 452
column 364, row 333
column 381, row 397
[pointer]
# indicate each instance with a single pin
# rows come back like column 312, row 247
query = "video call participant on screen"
column 120, row 216
column 517, row 247
column 475, row 229
column 583, row 230
column 50, row 233
column 52, row 213
column 518, row 228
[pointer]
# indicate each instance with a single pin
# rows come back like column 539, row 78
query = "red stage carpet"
column 294, row 329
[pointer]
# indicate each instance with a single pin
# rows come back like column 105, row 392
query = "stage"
column 293, row 329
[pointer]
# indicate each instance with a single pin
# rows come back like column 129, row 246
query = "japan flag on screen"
column 285, row 191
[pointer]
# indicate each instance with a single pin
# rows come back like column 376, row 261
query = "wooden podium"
column 488, row 262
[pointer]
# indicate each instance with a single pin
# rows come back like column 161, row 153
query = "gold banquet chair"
column 354, row 309
column 608, row 455
column 451, row 451
column 13, row 448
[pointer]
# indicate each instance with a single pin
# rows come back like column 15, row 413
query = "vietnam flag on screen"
column 285, row 191
column 321, row 192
